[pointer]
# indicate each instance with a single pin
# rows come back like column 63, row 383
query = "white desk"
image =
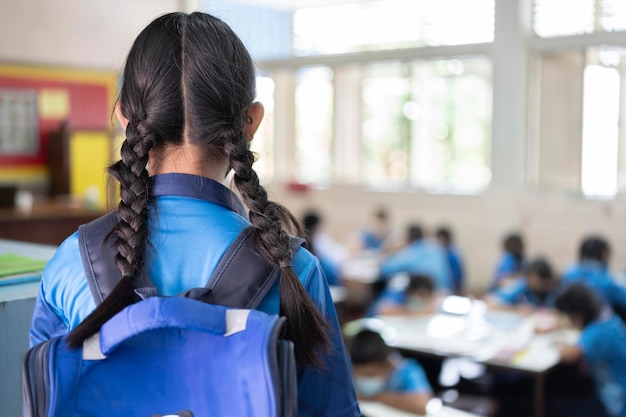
column 504, row 340
column 364, row 268
column 376, row 409
column 16, row 309
column 337, row 293
column 500, row 340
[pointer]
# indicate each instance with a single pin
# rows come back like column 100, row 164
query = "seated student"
column 538, row 289
column 382, row 375
column 511, row 263
column 375, row 237
column 602, row 344
column 379, row 237
column 330, row 253
column 420, row 256
column 413, row 297
column 592, row 269
column 444, row 236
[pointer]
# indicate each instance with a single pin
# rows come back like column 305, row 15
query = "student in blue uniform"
column 538, row 289
column 330, row 253
column 511, row 263
column 413, row 294
column 379, row 236
column 592, row 269
column 444, row 237
column 602, row 344
column 420, row 256
column 187, row 107
column 382, row 375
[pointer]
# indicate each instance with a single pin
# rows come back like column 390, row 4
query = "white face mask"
column 370, row 385
column 415, row 303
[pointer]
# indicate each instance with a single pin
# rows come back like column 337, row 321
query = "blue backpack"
column 170, row 356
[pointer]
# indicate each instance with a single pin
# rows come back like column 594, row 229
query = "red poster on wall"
column 32, row 108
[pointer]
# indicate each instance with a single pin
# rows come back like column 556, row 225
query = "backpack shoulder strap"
column 98, row 256
column 242, row 278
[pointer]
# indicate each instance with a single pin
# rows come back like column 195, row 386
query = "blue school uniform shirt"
column 389, row 296
column 507, row 265
column 603, row 343
column 188, row 235
column 420, row 257
column 372, row 241
column 456, row 268
column 408, row 377
column 519, row 294
column 596, row 276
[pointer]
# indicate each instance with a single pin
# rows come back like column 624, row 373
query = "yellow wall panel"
column 90, row 154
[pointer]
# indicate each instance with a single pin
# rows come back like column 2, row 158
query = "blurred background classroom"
column 475, row 144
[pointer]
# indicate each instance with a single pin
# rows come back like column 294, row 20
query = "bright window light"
column 263, row 143
column 563, row 17
column 550, row 18
column 314, row 124
column 427, row 124
column 613, row 17
column 600, row 131
column 391, row 24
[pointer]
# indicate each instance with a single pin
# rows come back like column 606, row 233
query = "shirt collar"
column 195, row 186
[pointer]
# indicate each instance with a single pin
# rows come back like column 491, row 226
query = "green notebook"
column 11, row 264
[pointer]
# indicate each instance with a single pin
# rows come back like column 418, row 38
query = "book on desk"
column 22, row 262
column 18, row 269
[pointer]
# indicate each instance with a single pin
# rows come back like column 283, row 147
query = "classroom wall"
column 75, row 33
column 553, row 223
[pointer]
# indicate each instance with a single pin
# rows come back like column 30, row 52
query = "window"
column 582, row 16
column 392, row 24
column 600, row 131
column 263, row 143
column 314, row 124
column 385, row 129
column 427, row 125
column 580, row 136
column 613, row 15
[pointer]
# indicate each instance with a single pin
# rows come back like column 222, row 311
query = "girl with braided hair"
column 187, row 107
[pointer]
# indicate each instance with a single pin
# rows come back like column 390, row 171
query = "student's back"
column 187, row 107
column 602, row 344
column 444, row 236
column 592, row 270
column 537, row 289
column 174, row 241
column 511, row 262
column 420, row 257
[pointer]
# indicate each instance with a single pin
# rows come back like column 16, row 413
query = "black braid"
column 131, row 231
column 305, row 324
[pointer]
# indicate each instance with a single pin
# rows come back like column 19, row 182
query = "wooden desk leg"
column 539, row 394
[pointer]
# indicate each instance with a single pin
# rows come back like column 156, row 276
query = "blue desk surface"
column 27, row 285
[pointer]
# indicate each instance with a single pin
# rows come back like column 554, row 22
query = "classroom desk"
column 48, row 222
column 359, row 275
column 16, row 309
column 376, row 409
column 502, row 341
